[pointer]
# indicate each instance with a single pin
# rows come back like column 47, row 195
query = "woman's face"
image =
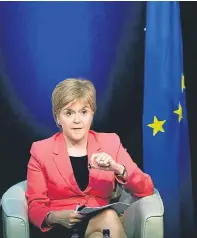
column 75, row 120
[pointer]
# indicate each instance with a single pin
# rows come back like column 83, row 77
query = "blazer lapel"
column 92, row 148
column 62, row 161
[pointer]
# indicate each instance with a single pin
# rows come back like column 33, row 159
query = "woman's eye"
column 68, row 113
column 84, row 112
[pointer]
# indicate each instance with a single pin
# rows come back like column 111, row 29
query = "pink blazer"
column 51, row 184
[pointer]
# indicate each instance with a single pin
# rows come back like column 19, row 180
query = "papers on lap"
column 119, row 207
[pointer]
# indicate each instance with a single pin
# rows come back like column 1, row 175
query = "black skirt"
column 59, row 231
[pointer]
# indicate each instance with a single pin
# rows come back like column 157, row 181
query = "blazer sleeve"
column 36, row 191
column 139, row 184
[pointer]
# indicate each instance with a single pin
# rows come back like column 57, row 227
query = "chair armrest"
column 14, row 212
column 144, row 218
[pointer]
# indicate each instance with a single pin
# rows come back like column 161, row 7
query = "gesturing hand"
column 103, row 161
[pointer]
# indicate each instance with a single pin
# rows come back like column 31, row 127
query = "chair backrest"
column 16, row 192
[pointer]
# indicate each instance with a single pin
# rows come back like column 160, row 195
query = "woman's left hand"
column 103, row 161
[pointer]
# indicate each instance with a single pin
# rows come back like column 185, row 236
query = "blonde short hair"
column 72, row 89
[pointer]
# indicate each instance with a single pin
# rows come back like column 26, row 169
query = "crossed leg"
column 108, row 219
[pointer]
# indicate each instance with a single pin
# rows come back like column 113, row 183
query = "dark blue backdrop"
column 44, row 42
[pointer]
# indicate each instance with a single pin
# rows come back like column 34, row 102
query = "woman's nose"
column 77, row 118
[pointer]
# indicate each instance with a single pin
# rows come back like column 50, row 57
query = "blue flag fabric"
column 165, row 127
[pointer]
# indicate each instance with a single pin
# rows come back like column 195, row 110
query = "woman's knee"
column 106, row 219
column 109, row 215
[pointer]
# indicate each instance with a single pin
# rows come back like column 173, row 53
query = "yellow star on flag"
column 157, row 125
column 182, row 83
column 179, row 112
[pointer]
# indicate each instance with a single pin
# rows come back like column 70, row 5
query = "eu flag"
column 165, row 127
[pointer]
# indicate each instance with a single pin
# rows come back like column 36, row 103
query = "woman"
column 78, row 166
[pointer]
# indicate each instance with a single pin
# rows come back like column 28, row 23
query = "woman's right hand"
column 66, row 218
